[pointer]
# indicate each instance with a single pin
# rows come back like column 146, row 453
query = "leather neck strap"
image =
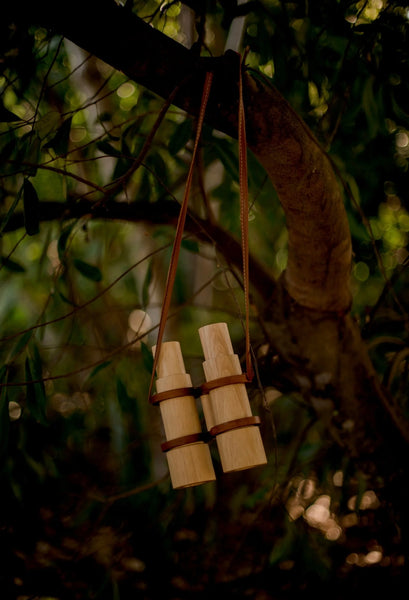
column 243, row 181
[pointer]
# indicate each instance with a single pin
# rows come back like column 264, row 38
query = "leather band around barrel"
column 176, row 393
column 234, row 424
column 208, row 386
column 182, row 441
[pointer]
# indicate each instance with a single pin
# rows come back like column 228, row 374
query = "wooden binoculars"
column 226, row 410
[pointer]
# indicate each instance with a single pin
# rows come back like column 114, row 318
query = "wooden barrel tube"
column 226, row 407
column 187, row 454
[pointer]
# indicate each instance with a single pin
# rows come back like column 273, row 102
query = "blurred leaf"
column 31, row 208
column 35, row 391
column 6, row 116
column 20, row 345
column 159, row 171
column 4, row 413
column 107, row 148
column 190, row 245
column 87, row 270
column 62, row 241
column 11, row 265
column 180, row 136
column 66, row 300
column 126, row 402
column 99, row 368
column 228, row 157
column 11, row 210
column 59, row 143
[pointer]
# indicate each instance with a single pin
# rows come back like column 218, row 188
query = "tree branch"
column 319, row 247
column 165, row 212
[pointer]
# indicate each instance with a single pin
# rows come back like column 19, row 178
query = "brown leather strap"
column 234, row 424
column 244, row 218
column 169, row 394
column 179, row 230
column 208, row 386
column 244, row 210
column 182, row 441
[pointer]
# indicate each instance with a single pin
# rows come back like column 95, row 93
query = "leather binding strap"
column 208, row 386
column 234, row 424
column 176, row 393
column 182, row 441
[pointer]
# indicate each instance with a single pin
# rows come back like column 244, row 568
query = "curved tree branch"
column 319, row 260
column 148, row 212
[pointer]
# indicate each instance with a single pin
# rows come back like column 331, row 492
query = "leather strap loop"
column 182, row 441
column 179, row 230
column 208, row 386
column 169, row 394
column 234, row 424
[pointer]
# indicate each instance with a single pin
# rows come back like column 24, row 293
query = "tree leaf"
column 62, row 241
column 35, row 391
column 59, row 143
column 107, row 148
column 190, row 245
column 11, row 265
column 6, row 116
column 11, row 210
column 4, row 413
column 126, row 402
column 180, row 136
column 87, row 270
column 31, row 208
column 99, row 368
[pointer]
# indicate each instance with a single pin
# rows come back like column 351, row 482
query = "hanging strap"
column 244, row 219
column 243, row 181
column 179, row 230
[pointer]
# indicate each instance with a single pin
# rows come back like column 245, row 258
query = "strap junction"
column 200, row 390
column 193, row 438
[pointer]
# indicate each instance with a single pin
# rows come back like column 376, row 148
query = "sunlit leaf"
column 31, row 208
column 89, row 271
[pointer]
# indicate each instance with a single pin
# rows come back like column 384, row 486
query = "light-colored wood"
column 171, row 359
column 189, row 464
column 240, row 448
column 230, row 401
